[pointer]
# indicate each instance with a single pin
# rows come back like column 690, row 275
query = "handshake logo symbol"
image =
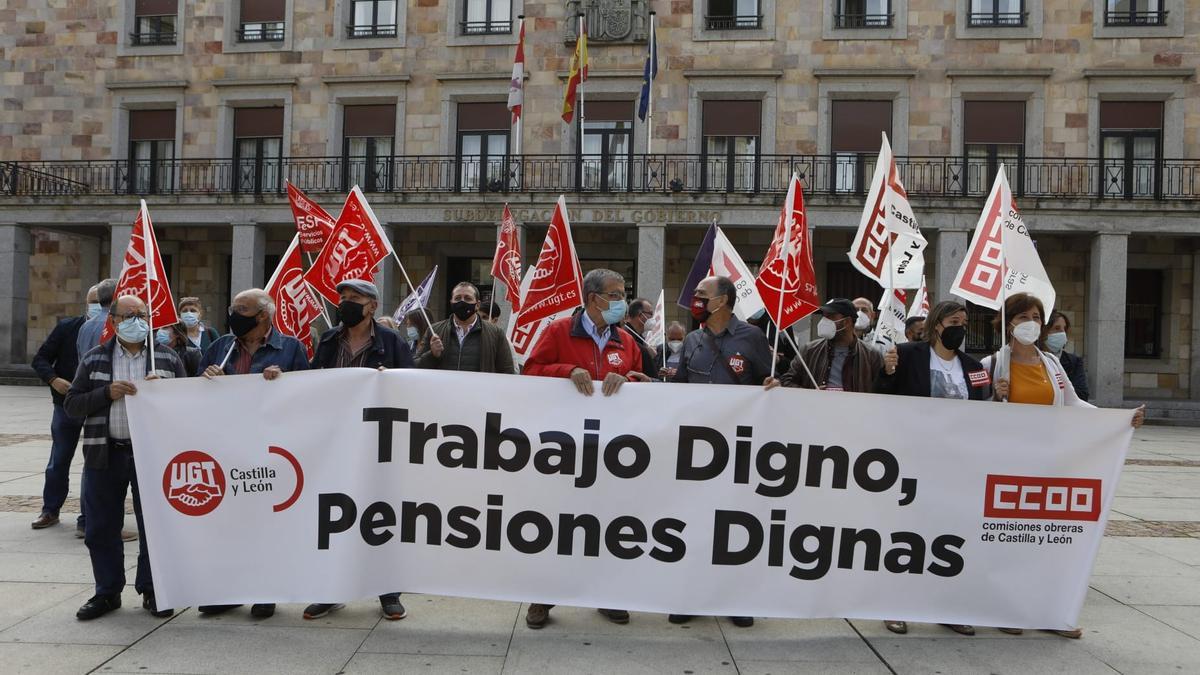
column 194, row 483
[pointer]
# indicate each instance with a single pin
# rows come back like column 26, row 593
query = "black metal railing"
column 370, row 31
column 862, row 20
column 260, row 34
column 486, row 27
column 932, row 177
column 741, row 22
column 1156, row 17
column 996, row 19
column 151, row 39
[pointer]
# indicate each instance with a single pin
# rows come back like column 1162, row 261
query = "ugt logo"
column 194, row 483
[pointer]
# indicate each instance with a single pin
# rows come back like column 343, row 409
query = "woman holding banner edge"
column 1025, row 373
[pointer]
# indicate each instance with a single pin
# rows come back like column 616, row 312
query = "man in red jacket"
column 589, row 346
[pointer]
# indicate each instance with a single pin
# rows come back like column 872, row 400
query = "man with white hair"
column 252, row 344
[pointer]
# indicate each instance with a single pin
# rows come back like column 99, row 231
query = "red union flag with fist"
column 786, row 281
column 1002, row 259
column 552, row 288
column 296, row 306
column 313, row 223
column 506, row 262
column 143, row 275
column 356, row 245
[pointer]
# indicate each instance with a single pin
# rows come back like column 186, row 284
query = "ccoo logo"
column 194, row 483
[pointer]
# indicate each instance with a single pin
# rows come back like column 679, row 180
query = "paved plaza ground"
column 1142, row 613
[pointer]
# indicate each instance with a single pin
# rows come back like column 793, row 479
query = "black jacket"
column 912, row 373
column 387, row 349
column 1075, row 372
column 57, row 357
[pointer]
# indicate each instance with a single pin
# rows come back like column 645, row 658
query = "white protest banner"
column 324, row 486
column 727, row 262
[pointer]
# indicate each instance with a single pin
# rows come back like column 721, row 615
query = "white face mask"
column 675, row 345
column 826, row 328
column 1027, row 332
column 863, row 321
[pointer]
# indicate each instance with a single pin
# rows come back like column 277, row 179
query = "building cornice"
column 1140, row 73
column 761, row 73
column 872, row 73
column 365, row 79
column 146, row 84
column 992, row 73
column 255, row 82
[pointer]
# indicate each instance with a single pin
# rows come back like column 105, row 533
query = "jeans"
column 64, row 430
column 104, row 493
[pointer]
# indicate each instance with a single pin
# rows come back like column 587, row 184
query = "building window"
column 1130, row 148
column 1143, row 314
column 863, row 14
column 151, row 151
column 993, row 134
column 368, row 146
column 733, row 15
column 483, row 146
column 372, row 19
column 996, row 13
column 257, row 149
column 605, row 151
column 262, row 21
column 731, row 145
column 1135, row 13
column 855, row 140
column 487, row 17
column 154, row 22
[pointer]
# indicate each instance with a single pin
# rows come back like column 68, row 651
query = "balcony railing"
column 486, row 28
column 996, row 19
column 260, row 34
column 151, row 39
column 742, row 22
column 862, row 20
column 1156, row 17
column 370, row 31
column 928, row 177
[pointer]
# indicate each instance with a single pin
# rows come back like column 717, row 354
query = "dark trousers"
column 104, row 493
column 64, row 430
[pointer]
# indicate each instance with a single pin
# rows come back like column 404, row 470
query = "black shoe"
column 320, row 609
column 98, row 606
column 679, row 618
column 742, row 621
column 262, row 610
column 392, row 609
column 79, row 532
column 213, row 610
column 615, row 615
column 151, row 606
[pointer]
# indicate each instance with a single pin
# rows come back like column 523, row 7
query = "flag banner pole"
column 653, row 64
column 150, row 270
column 582, row 77
column 1005, row 357
column 787, row 254
column 227, row 354
column 788, row 334
column 410, row 285
column 324, row 311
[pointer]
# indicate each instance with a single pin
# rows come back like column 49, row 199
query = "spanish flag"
column 579, row 68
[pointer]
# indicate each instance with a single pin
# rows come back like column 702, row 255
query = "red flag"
column 356, row 245
column 786, row 281
column 312, row 222
column 138, row 278
column 296, row 305
column 506, row 262
column 555, row 285
column 516, row 88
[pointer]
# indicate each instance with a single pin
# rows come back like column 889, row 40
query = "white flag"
column 889, row 247
column 418, row 298
column 727, row 263
column 889, row 330
column 655, row 330
column 1002, row 259
column 920, row 304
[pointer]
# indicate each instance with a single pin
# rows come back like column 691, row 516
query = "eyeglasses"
column 254, row 311
column 647, row 315
column 615, row 295
column 131, row 315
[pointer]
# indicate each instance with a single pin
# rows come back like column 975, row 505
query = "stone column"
column 652, row 239
column 89, row 262
column 1194, row 385
column 387, row 279
column 16, row 244
column 246, row 268
column 118, row 242
column 1105, row 357
column 951, row 250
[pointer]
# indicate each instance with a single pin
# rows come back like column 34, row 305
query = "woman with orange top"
column 1025, row 373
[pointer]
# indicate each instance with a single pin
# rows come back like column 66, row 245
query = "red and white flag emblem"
column 356, row 245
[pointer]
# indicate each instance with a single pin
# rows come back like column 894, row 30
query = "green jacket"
column 495, row 353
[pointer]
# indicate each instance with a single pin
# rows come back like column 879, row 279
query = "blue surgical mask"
column 162, row 336
column 615, row 312
column 133, row 330
column 93, row 310
column 190, row 319
column 1056, row 342
column 413, row 334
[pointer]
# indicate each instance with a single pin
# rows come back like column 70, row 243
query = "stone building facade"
column 204, row 106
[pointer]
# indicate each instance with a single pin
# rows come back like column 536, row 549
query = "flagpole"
column 787, row 245
column 1007, row 358
column 151, row 256
column 582, row 78
column 324, row 312
column 653, row 63
column 410, row 285
column 521, row 117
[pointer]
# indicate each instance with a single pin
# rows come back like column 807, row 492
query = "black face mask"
column 239, row 325
column 351, row 313
column 953, row 336
column 463, row 310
